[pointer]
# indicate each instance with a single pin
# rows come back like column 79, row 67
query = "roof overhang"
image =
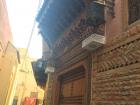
column 56, row 16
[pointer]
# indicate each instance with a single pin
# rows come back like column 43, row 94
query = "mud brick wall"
column 116, row 73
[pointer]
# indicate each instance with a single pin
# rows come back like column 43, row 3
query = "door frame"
column 86, row 64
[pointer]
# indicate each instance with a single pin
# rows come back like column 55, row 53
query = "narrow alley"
column 90, row 54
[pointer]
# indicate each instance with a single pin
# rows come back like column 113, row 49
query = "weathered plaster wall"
column 26, row 84
column 8, row 65
column 5, row 32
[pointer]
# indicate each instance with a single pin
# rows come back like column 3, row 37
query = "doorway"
column 72, row 87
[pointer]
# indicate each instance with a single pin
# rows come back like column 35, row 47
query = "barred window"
column 134, row 10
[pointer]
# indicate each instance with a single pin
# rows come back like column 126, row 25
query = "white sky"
column 21, row 16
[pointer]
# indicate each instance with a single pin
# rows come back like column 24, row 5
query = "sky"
column 21, row 17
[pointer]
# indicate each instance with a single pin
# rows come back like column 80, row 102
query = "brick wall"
column 116, row 70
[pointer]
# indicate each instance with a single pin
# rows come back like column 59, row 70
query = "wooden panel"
column 72, row 88
column 66, row 89
column 78, row 87
column 71, row 101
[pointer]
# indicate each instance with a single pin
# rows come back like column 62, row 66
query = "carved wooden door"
column 72, row 88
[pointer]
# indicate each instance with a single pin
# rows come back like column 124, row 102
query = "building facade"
column 88, row 72
column 26, row 86
column 9, row 58
column 5, row 31
column 8, row 65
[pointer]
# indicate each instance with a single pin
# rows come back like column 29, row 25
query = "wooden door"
column 72, row 87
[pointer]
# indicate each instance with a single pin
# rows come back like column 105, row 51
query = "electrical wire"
column 31, row 35
column 28, row 45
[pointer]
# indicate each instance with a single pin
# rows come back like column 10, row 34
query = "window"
column 134, row 10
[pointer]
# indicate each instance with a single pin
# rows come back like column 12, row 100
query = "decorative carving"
column 121, row 56
column 134, row 10
column 71, row 57
column 77, row 34
column 116, row 71
column 126, row 35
